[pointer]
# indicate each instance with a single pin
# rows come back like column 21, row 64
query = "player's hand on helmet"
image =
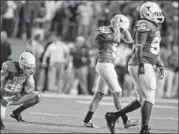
column 141, row 69
column 160, row 72
column 117, row 22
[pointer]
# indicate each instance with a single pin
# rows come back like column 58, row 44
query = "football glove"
column 160, row 72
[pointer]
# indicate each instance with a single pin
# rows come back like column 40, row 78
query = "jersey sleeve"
column 142, row 26
column 142, row 29
column 4, row 71
column 6, row 66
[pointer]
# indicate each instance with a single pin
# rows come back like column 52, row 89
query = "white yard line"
column 101, row 117
column 84, row 97
column 112, row 104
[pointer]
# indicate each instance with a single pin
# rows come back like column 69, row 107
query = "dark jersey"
column 106, row 45
column 15, row 80
column 151, row 47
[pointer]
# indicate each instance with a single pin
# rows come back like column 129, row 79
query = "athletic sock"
column 146, row 112
column 129, row 108
column 124, row 118
column 26, row 105
column 88, row 117
column 20, row 109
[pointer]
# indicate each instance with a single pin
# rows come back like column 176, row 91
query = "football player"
column 107, row 39
column 145, row 57
column 17, row 86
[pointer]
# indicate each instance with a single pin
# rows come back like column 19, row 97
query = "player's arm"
column 46, row 56
column 117, row 32
column 30, row 84
column 140, row 39
column 127, row 37
column 4, row 74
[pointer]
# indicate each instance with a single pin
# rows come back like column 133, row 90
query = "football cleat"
column 111, row 120
column 89, row 124
column 145, row 130
column 17, row 116
column 2, row 125
column 131, row 123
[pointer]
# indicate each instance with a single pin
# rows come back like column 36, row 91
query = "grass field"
column 64, row 114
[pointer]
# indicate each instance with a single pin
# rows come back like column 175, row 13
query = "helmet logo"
column 148, row 7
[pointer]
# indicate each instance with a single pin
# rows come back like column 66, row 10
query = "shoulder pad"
column 9, row 66
column 143, row 26
column 104, row 29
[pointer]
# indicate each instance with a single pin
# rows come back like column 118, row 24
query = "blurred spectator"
column 48, row 39
column 36, row 47
column 28, row 12
column 6, row 50
column 80, row 64
column 69, row 72
column 174, row 63
column 8, row 18
column 46, row 14
column 69, row 19
column 85, row 18
column 165, row 85
column 72, row 21
column 104, row 18
column 92, row 75
column 58, row 25
column 122, row 54
column 57, row 52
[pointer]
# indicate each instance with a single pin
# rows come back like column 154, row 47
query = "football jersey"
column 15, row 80
column 151, row 48
column 106, row 45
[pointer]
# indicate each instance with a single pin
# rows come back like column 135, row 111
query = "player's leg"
column 148, row 84
column 135, row 104
column 94, row 103
column 28, row 100
column 112, row 82
column 113, row 116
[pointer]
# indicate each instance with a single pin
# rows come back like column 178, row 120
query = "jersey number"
column 155, row 45
column 141, row 26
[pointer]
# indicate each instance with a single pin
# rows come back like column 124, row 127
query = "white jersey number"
column 155, row 45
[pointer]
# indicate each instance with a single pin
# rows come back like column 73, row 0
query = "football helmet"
column 124, row 21
column 27, row 63
column 152, row 12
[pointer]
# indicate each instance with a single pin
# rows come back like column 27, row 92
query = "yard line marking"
column 112, row 104
column 87, row 97
column 95, row 116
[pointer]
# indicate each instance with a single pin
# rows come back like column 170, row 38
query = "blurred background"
column 61, row 35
